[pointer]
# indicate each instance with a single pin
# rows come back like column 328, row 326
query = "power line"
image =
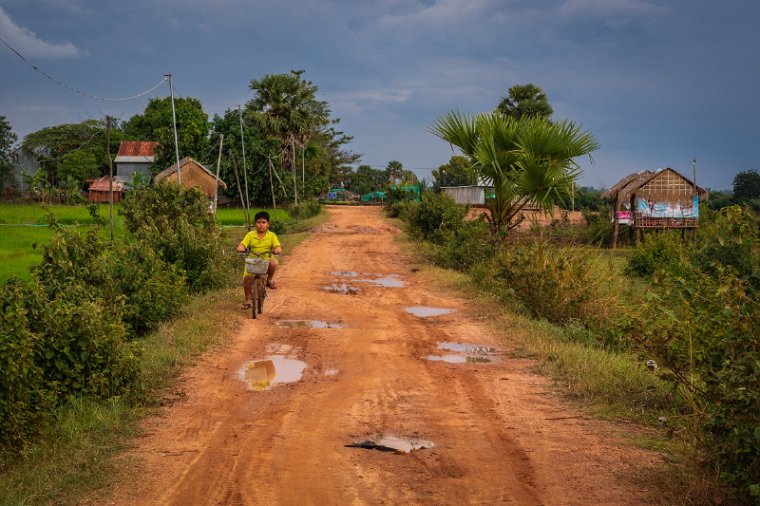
column 71, row 88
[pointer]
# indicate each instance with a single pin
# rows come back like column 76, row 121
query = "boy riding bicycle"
column 261, row 243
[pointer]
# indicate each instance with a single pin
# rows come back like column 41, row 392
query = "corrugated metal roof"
column 101, row 184
column 137, row 148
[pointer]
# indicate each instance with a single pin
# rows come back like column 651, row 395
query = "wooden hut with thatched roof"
column 192, row 173
column 663, row 199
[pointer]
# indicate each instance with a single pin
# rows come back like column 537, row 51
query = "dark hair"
column 261, row 214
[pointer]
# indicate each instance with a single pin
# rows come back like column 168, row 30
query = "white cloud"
column 28, row 44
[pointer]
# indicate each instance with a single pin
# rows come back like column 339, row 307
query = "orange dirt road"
column 500, row 434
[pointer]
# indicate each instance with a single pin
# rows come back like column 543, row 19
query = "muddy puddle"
column 309, row 324
column 395, row 444
column 262, row 375
column 426, row 312
column 465, row 353
column 384, row 280
column 341, row 288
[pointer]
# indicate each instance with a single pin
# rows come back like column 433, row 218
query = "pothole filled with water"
column 262, row 375
column 349, row 274
column 465, row 353
column 395, row 444
column 426, row 312
column 341, row 288
column 309, row 324
column 386, row 281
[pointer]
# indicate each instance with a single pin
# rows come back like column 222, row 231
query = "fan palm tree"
column 526, row 160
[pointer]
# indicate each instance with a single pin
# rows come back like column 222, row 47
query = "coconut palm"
column 527, row 160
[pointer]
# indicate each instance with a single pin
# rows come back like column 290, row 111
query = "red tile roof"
column 137, row 148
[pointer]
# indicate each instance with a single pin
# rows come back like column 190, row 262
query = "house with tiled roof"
column 135, row 157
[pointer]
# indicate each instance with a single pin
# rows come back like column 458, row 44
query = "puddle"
column 390, row 281
column 466, row 353
column 279, row 349
column 476, row 349
column 331, row 372
column 341, row 288
column 394, row 444
column 424, row 311
column 309, row 324
column 348, row 274
column 261, row 375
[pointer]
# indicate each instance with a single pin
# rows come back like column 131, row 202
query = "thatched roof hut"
column 192, row 174
column 661, row 199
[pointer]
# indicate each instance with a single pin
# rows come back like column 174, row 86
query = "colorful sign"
column 651, row 209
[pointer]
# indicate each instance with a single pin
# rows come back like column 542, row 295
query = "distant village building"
column 22, row 163
column 135, row 157
column 100, row 189
column 474, row 195
column 663, row 199
column 192, row 173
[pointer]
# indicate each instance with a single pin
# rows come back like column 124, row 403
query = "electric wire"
column 75, row 90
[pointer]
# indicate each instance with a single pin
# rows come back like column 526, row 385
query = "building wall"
column 194, row 176
column 129, row 169
column 467, row 194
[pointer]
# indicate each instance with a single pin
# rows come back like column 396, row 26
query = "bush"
column 402, row 209
column 23, row 400
column 435, row 217
column 561, row 285
column 177, row 225
column 305, row 209
column 660, row 251
column 703, row 329
column 470, row 243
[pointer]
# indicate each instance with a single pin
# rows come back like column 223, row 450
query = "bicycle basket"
column 256, row 265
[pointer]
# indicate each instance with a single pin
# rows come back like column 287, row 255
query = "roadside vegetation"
column 88, row 343
column 666, row 335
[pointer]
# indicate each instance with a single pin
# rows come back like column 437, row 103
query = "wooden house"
column 663, row 199
column 100, row 188
column 192, row 173
column 135, row 157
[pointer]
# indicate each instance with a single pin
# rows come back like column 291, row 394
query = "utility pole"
column 245, row 171
column 110, row 172
column 218, row 164
column 168, row 77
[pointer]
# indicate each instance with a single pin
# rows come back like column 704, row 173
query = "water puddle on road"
column 309, row 324
column 426, row 312
column 395, row 444
column 262, row 375
column 465, row 353
column 341, row 288
column 348, row 274
column 331, row 372
column 386, row 281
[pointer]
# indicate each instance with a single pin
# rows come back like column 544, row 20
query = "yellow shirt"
column 260, row 247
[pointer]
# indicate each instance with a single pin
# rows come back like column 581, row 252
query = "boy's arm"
column 276, row 248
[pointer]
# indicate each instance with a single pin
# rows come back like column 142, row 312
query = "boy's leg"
column 248, row 288
column 270, row 274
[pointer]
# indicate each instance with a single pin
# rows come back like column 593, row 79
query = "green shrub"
column 175, row 223
column 704, row 330
column 402, row 209
column 729, row 237
column 660, row 251
column 436, row 216
column 471, row 243
column 23, row 400
column 305, row 209
column 560, row 285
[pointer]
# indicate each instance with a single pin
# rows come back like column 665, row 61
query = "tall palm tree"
column 285, row 107
column 527, row 160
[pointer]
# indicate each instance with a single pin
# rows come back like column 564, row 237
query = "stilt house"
column 663, row 199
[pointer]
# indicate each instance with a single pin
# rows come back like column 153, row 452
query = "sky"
column 658, row 83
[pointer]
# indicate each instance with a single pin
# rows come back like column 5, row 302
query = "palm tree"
column 285, row 107
column 527, row 160
column 525, row 100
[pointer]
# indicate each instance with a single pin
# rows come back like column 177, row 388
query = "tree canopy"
column 525, row 100
column 747, row 185
column 156, row 124
column 459, row 171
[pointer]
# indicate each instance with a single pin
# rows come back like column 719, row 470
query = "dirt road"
column 498, row 433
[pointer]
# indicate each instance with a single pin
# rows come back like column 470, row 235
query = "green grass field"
column 22, row 226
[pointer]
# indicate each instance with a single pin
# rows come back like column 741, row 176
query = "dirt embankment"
column 494, row 432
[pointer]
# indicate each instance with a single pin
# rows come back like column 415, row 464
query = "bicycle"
column 257, row 266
